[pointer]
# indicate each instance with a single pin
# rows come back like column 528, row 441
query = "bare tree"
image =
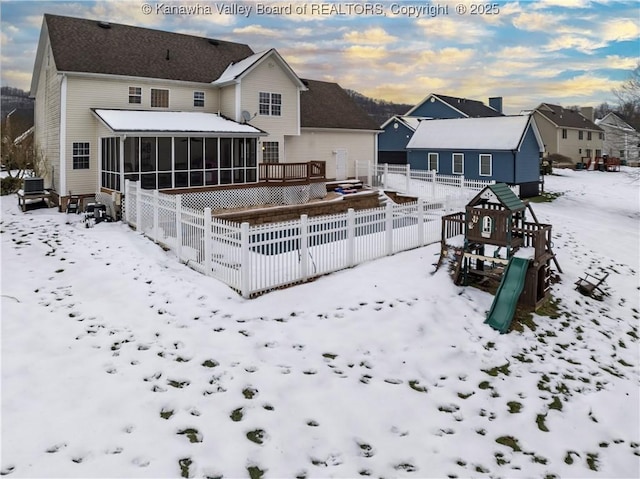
column 628, row 96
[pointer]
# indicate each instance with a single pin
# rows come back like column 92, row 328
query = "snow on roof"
column 489, row 133
column 234, row 70
column 172, row 121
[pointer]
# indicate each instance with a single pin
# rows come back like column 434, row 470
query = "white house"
column 116, row 102
column 620, row 139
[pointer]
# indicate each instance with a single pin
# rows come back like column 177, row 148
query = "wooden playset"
column 492, row 239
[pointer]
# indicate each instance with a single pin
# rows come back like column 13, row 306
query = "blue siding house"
column 397, row 131
column 506, row 149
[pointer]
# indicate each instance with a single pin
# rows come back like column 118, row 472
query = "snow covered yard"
column 117, row 361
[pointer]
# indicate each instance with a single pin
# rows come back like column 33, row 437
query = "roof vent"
column 105, row 25
column 213, row 42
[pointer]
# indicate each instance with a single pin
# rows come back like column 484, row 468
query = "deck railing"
column 283, row 172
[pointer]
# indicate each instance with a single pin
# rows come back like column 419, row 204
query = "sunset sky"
column 569, row 52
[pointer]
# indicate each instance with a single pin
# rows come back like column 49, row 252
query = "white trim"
column 238, row 101
column 480, row 164
column 63, row 136
column 431, row 95
column 129, row 78
column 453, row 164
column 338, row 130
column 437, row 168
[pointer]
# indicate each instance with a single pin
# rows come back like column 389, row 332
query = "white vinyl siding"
column 457, row 164
column 432, row 161
column 320, row 144
column 485, row 167
column 269, row 77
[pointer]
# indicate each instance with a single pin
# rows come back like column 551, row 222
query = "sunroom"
column 166, row 150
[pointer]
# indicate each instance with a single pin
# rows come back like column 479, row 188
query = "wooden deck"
column 286, row 172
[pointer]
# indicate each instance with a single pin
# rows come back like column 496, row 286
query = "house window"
column 458, row 164
column 198, row 98
column 598, row 153
column 135, row 94
column 432, row 161
column 270, row 152
column 487, row 227
column 580, row 134
column 588, row 136
column 159, row 98
column 485, row 165
column 564, row 133
column 80, row 155
column 601, row 136
column 110, row 163
column 588, row 153
column 270, row 103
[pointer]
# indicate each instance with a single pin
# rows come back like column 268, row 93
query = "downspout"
column 63, row 136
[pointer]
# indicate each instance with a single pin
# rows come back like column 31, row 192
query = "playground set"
column 603, row 163
column 491, row 239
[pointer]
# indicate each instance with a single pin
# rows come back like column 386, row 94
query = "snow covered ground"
column 118, row 361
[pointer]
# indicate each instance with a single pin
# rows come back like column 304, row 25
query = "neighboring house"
column 397, row 130
column 116, row 102
column 505, row 149
column 569, row 133
column 17, row 139
column 620, row 139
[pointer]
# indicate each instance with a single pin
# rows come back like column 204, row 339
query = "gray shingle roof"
column 327, row 105
column 81, row 45
column 471, row 108
column 566, row 118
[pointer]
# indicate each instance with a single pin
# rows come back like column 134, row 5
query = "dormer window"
column 135, row 94
column 270, row 104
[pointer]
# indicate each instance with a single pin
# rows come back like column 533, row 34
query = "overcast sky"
column 569, row 52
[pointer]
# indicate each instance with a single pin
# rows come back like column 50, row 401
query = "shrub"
column 10, row 185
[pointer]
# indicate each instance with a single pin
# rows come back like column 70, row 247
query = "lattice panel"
column 247, row 197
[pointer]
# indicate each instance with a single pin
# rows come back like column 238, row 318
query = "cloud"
column 620, row 63
column 579, row 86
column 358, row 52
column 535, row 21
column 447, row 56
column 16, row 78
column 573, row 42
column 620, row 30
column 372, row 36
column 518, row 51
column 561, row 3
column 257, row 30
column 460, row 31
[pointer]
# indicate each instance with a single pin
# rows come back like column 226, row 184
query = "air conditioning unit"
column 33, row 185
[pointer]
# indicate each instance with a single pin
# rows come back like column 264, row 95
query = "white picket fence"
column 429, row 185
column 257, row 259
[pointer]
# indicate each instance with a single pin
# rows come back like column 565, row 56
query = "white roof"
column 411, row 122
column 492, row 133
column 132, row 121
column 234, row 70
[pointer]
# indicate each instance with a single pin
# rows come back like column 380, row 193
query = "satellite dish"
column 246, row 116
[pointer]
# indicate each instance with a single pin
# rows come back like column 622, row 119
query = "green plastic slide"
column 504, row 304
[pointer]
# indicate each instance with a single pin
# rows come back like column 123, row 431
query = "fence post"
column 127, row 210
column 245, row 261
column 408, row 178
column 351, row 237
column 420, row 222
column 433, row 184
column 304, row 247
column 208, row 254
column 370, row 173
column 386, row 173
column 461, row 180
column 156, row 210
column 178, row 204
column 388, row 227
column 139, row 217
